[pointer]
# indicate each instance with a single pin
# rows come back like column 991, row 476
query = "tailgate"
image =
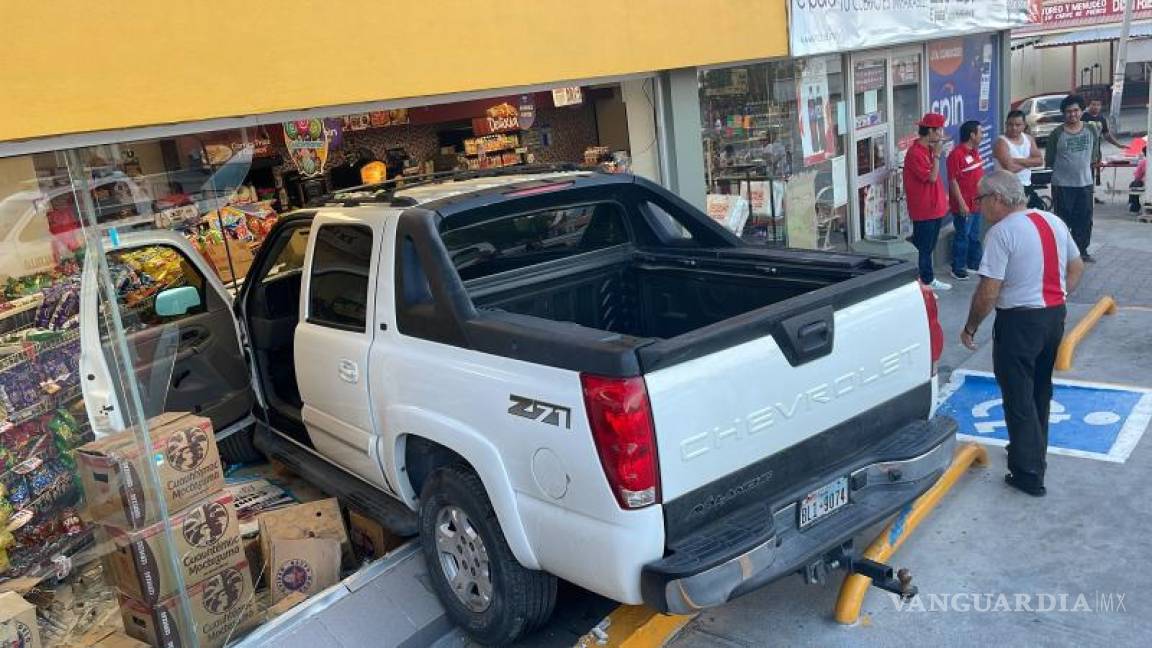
column 721, row 412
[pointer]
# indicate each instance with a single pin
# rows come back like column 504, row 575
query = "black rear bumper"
column 758, row 544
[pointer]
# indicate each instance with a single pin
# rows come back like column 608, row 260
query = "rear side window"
column 521, row 240
column 338, row 287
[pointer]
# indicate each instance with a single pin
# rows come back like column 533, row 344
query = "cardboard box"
column 223, row 608
column 119, row 640
column 218, row 256
column 18, row 627
column 206, row 538
column 303, row 566
column 105, row 637
column 112, row 470
column 370, row 540
column 319, row 519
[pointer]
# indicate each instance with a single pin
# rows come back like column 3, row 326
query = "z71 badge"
column 540, row 411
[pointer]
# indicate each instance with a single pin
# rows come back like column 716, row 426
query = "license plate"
column 823, row 501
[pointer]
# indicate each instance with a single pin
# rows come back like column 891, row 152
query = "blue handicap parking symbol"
column 1086, row 420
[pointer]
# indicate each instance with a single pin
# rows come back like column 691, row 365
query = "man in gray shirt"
column 1072, row 153
column 1030, row 264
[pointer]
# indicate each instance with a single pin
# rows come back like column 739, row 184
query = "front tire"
column 482, row 586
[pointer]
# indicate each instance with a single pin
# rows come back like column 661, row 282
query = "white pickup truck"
column 563, row 375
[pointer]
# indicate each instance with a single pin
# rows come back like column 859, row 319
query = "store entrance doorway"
column 888, row 102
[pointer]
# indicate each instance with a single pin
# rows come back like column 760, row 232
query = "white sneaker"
column 939, row 285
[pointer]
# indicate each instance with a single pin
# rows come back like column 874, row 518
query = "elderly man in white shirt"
column 1030, row 264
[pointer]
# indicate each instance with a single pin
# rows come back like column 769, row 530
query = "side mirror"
column 177, row 301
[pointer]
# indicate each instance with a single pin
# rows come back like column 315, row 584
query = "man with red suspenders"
column 1030, row 263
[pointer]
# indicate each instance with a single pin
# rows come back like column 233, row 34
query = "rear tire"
column 495, row 599
column 239, row 447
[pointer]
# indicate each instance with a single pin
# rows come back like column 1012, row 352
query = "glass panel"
column 338, row 290
column 522, row 240
column 870, row 80
column 907, row 103
column 775, row 139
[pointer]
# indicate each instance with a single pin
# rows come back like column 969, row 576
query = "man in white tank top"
column 1030, row 264
column 1016, row 151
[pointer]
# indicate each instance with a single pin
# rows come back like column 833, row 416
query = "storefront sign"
column 307, row 143
column 1047, row 14
column 567, row 96
column 963, row 77
column 502, row 118
column 827, row 26
column 817, row 133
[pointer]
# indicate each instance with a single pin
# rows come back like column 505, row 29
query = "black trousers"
column 1024, row 344
column 1074, row 206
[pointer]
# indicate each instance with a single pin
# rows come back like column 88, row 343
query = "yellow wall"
column 81, row 66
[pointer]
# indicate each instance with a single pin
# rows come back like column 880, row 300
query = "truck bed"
column 668, row 294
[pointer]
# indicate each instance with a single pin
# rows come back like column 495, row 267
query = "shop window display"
column 775, row 146
column 96, row 286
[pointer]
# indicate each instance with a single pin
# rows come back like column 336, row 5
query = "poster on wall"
column 873, row 197
column 307, row 143
column 817, row 133
column 963, row 75
column 829, row 26
column 800, row 210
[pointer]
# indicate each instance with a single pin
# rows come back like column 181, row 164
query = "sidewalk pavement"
column 1089, row 536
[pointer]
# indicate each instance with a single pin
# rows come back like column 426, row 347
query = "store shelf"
column 491, row 151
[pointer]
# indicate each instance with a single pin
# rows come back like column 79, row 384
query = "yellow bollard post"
column 897, row 531
column 1072, row 338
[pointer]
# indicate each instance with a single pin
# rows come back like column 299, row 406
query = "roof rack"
column 385, row 192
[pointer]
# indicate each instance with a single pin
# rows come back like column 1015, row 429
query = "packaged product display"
column 186, row 460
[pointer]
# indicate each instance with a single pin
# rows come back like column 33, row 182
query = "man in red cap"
column 924, row 189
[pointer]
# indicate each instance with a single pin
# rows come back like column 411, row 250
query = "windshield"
column 1049, row 104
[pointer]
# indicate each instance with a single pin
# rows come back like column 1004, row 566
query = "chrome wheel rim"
column 463, row 558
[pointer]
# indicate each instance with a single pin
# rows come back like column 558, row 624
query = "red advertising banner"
column 1049, row 14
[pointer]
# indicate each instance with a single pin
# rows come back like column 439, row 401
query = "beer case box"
column 370, row 540
column 223, row 609
column 18, row 628
column 303, row 566
column 319, row 519
column 205, row 538
column 112, row 470
column 119, row 640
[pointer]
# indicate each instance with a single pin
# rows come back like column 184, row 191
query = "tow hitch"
column 881, row 576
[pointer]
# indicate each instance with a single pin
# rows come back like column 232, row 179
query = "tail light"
column 936, row 333
column 621, row 420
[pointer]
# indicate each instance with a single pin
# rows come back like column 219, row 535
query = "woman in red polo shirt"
column 924, row 189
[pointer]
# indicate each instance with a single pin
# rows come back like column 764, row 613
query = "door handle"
column 349, row 371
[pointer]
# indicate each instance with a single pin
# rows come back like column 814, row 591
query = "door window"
column 140, row 274
column 870, row 77
column 338, row 287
